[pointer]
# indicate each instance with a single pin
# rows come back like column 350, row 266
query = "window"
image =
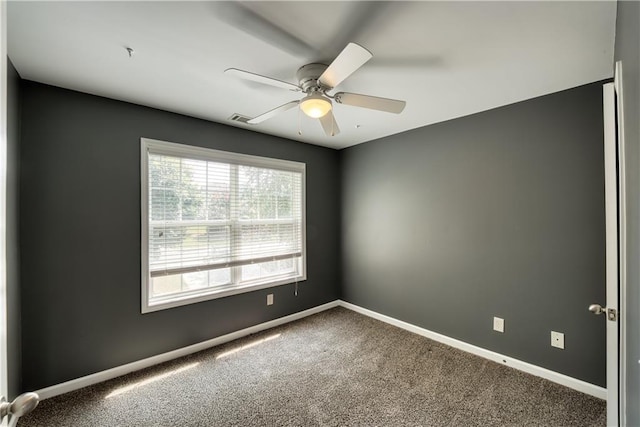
column 216, row 223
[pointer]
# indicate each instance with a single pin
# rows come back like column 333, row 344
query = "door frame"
column 623, row 230
column 612, row 242
column 616, row 240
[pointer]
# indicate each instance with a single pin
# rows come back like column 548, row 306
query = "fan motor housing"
column 308, row 76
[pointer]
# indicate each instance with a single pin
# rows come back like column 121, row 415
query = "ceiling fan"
column 316, row 80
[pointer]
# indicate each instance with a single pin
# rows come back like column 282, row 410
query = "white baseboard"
column 556, row 377
column 108, row 374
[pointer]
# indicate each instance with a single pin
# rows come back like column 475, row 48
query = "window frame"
column 155, row 146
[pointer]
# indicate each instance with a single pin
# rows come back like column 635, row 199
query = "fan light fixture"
column 315, row 105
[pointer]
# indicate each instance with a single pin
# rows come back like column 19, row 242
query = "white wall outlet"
column 269, row 299
column 557, row 339
column 498, row 324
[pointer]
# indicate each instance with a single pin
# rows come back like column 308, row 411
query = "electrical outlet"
column 498, row 324
column 557, row 339
column 269, row 299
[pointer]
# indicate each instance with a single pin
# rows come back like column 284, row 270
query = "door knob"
column 20, row 406
column 612, row 313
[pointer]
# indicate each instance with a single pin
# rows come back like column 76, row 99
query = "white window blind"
column 218, row 222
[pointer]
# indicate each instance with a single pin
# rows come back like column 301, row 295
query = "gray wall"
column 495, row 214
column 627, row 47
column 80, row 235
column 13, row 245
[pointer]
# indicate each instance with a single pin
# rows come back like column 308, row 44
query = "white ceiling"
column 446, row 59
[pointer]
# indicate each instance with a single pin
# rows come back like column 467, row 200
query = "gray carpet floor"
column 336, row 368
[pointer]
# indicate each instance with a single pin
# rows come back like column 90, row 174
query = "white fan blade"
column 269, row 114
column 363, row 20
column 246, row 75
column 329, row 124
column 241, row 16
column 350, row 59
column 372, row 102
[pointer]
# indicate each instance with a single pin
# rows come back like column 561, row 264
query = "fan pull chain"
column 299, row 133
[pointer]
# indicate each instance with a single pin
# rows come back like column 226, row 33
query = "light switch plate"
column 557, row 339
column 269, row 299
column 498, row 324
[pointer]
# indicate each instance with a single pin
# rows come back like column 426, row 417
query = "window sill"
column 206, row 295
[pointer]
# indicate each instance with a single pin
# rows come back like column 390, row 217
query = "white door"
column 3, row 201
column 614, row 214
column 9, row 412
